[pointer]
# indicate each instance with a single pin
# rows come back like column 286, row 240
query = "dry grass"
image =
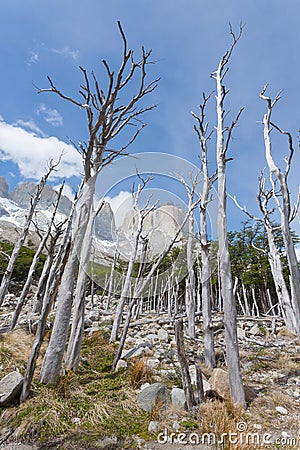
column 87, row 405
column 140, row 373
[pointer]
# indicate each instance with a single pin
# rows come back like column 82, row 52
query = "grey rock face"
column 3, row 188
column 10, row 387
column 105, row 227
column 155, row 394
column 23, row 193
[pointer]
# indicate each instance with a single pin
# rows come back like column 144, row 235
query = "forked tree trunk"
column 54, row 355
column 231, row 339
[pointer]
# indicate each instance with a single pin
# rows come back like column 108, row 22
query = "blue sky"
column 188, row 38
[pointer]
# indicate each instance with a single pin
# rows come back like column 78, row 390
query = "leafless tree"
column 224, row 134
column 28, row 220
column 283, row 201
column 201, row 131
column 33, row 266
column 107, row 117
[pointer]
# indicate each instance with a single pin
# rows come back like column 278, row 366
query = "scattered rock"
column 10, row 387
column 220, row 384
column 241, row 333
column 178, row 398
column 281, row 410
column 163, row 335
column 153, row 426
column 255, row 331
column 121, row 364
column 137, row 351
column 155, row 394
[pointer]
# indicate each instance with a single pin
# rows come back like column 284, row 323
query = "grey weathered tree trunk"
column 106, row 118
column 209, row 348
column 54, row 354
column 190, row 296
column 53, row 280
column 77, row 328
column 231, row 339
column 284, row 206
column 140, row 215
column 15, row 253
column 33, row 266
column 184, row 365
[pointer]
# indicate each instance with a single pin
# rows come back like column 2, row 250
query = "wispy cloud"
column 33, row 58
column 31, row 152
column 51, row 116
column 31, row 126
column 67, row 52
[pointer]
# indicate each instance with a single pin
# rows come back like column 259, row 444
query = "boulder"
column 178, row 398
column 163, row 335
column 153, row 426
column 154, row 395
column 241, row 333
column 220, row 384
column 121, row 364
column 10, row 387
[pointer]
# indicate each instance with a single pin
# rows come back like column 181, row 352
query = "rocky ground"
column 270, row 357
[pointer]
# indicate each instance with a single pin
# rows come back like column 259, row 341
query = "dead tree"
column 139, row 216
column 283, row 201
column 15, row 253
column 107, row 117
column 142, row 283
column 201, row 131
column 190, row 293
column 55, row 273
column 274, row 257
column 33, row 266
column 224, row 134
column 184, row 366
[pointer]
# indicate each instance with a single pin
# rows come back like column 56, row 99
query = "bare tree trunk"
column 209, row 349
column 231, row 339
column 54, row 355
column 15, row 253
column 76, row 335
column 50, row 290
column 33, row 265
column 190, row 300
column 184, row 366
column 287, row 215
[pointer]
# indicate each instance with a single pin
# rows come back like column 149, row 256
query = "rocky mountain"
column 3, row 187
column 105, row 227
column 14, row 205
column 23, row 193
column 161, row 224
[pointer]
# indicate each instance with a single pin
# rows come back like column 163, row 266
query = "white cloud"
column 30, row 125
column 31, row 152
column 120, row 204
column 33, row 58
column 51, row 116
column 67, row 52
